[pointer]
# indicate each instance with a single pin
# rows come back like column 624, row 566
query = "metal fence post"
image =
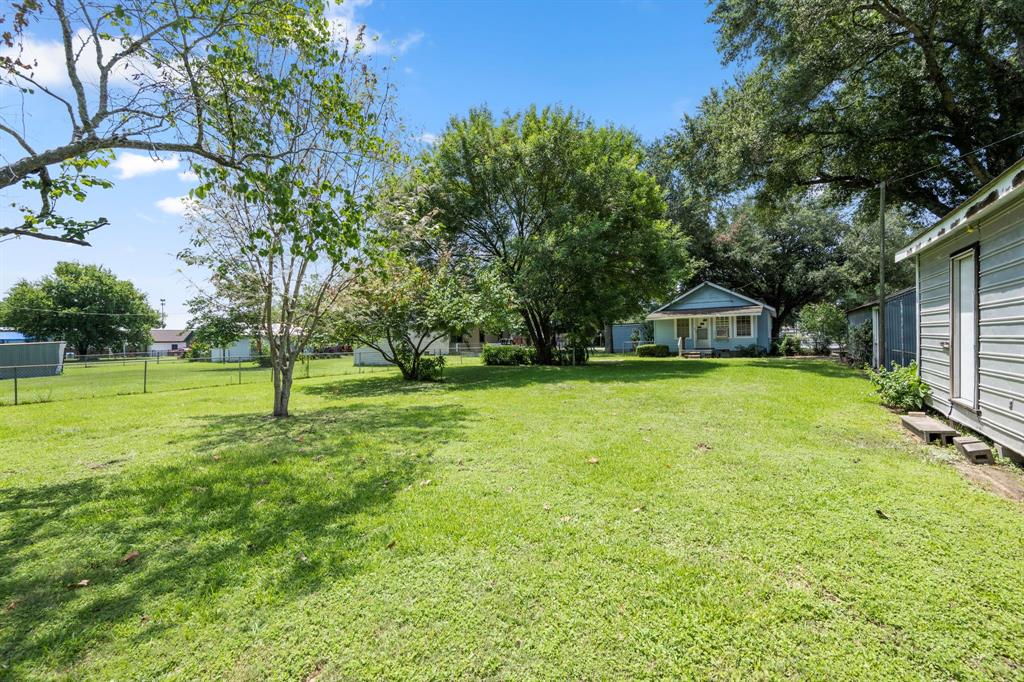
column 145, row 374
column 15, row 385
column 239, row 372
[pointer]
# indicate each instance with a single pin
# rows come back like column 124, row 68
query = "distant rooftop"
column 170, row 335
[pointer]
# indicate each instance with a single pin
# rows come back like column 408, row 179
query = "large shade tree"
column 183, row 76
column 85, row 305
column 842, row 95
column 561, row 210
column 785, row 257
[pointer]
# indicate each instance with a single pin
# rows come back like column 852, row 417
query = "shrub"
column 789, row 345
column 860, row 344
column 507, row 355
column 431, row 368
column 825, row 323
column 652, row 350
column 900, row 387
column 749, row 351
column 197, row 350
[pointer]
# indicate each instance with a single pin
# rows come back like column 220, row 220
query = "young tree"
column 291, row 224
column 84, row 305
column 177, row 77
column 561, row 210
column 400, row 307
column 825, row 323
column 843, row 95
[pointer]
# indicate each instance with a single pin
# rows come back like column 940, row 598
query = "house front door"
column 700, row 333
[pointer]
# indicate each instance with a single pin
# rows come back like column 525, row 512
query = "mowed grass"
column 629, row 519
column 111, row 377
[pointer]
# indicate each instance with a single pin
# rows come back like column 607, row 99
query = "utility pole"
column 881, row 274
column 163, row 319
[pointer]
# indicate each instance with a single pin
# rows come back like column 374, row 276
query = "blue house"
column 711, row 318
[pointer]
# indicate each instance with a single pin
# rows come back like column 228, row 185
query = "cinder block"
column 973, row 449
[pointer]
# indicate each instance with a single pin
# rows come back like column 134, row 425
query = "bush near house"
column 749, row 351
column 789, row 345
column 507, row 355
column 900, row 387
column 652, row 350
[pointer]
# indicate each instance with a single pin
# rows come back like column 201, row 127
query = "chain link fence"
column 100, row 376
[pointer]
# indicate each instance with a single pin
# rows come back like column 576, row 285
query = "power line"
column 81, row 312
column 958, row 156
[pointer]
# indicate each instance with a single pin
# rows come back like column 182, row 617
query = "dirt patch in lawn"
column 995, row 479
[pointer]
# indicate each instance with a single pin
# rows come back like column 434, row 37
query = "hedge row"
column 507, row 355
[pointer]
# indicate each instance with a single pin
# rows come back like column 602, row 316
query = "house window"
column 174, row 346
column 682, row 328
column 744, row 326
column 721, row 327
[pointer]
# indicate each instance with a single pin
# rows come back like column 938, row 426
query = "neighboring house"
column 970, row 315
column 169, row 341
column 8, row 335
column 900, row 326
column 239, row 350
column 364, row 356
column 36, row 359
column 710, row 317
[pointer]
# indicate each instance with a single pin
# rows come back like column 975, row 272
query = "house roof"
column 660, row 313
column 1010, row 183
column 705, row 312
column 872, row 304
column 170, row 335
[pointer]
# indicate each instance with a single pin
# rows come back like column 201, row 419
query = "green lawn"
column 727, row 530
column 111, row 377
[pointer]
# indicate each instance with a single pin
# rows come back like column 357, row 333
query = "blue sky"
column 635, row 64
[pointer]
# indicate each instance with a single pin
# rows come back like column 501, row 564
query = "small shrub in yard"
column 652, row 350
column 900, row 387
column 860, row 344
column 507, row 355
column 789, row 345
column 431, row 368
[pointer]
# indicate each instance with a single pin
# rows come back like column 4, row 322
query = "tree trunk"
column 538, row 327
column 776, row 328
column 283, row 387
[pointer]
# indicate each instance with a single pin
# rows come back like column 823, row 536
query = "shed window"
column 744, row 325
column 721, row 327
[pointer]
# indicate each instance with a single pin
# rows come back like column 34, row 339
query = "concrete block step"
column 929, row 429
column 973, row 449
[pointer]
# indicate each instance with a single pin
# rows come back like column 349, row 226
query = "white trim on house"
column 957, row 220
column 720, row 288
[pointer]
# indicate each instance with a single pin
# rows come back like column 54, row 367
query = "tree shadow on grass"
column 479, row 377
column 823, row 368
column 268, row 510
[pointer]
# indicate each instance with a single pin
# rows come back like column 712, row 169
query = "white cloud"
column 427, row 138
column 188, row 176
column 174, row 205
column 48, row 68
column 133, row 165
column 347, row 27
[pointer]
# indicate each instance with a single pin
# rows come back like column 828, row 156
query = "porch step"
column 929, row 429
column 973, row 449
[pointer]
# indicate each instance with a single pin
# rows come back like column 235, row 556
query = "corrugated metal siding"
column 901, row 328
column 1001, row 326
column 38, row 359
column 622, row 337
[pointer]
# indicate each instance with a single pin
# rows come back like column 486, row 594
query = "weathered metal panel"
column 1000, row 409
column 901, row 327
column 35, row 359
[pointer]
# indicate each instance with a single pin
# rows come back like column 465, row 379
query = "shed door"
column 964, row 318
